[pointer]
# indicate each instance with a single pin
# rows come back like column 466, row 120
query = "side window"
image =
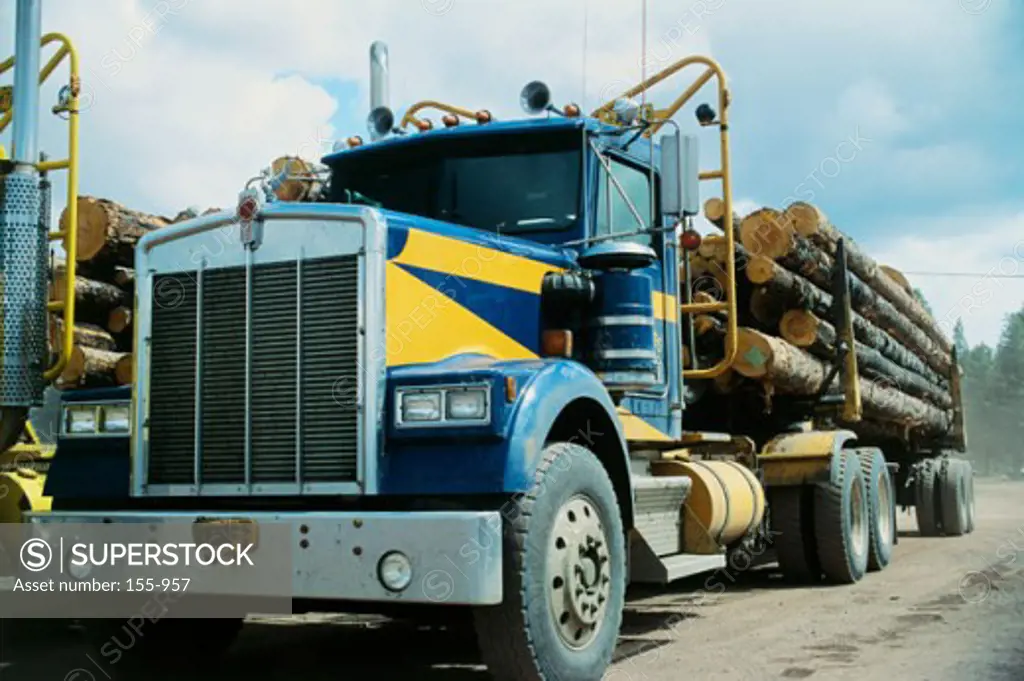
column 637, row 187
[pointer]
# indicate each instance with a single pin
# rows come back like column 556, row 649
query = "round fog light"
column 395, row 571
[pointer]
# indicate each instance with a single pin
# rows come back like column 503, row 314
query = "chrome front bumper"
column 455, row 555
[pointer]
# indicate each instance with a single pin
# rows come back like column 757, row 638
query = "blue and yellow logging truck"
column 472, row 350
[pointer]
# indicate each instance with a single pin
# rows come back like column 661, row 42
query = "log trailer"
column 465, row 348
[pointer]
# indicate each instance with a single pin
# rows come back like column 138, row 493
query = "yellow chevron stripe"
column 635, row 428
column 665, row 306
column 424, row 325
column 472, row 261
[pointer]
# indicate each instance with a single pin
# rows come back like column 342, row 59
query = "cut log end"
column 119, row 319
column 124, row 370
column 898, row 277
column 764, row 232
column 760, row 270
column 799, row 327
column 754, row 354
column 805, row 218
column 714, row 209
column 92, row 227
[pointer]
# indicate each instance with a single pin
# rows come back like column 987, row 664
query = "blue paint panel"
column 90, row 468
column 514, row 313
column 398, row 236
column 462, row 464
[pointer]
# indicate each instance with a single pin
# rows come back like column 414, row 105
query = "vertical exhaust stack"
column 23, row 242
column 379, row 90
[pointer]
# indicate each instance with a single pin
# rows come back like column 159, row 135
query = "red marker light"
column 247, row 209
column 689, row 240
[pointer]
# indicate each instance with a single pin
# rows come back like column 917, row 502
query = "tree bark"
column 714, row 211
column 108, row 232
column 93, row 299
column 793, row 291
column 787, row 369
column 808, row 221
column 87, row 335
column 89, row 368
column 802, row 329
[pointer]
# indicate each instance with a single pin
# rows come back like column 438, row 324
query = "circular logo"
column 974, row 587
column 438, row 586
column 974, row 6
column 36, row 555
column 438, row 7
column 169, row 293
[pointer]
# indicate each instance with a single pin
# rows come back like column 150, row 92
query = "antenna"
column 643, row 51
column 583, row 95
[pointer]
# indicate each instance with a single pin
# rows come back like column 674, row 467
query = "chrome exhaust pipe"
column 379, row 94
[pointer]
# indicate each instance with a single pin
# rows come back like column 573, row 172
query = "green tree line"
column 993, row 394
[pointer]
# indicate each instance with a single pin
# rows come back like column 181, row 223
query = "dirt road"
column 946, row 609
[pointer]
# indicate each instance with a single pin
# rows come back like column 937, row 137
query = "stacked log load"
column 104, row 292
column 786, row 342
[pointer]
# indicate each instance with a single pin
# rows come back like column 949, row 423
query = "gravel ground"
column 945, row 609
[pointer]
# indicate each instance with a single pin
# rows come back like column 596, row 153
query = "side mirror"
column 680, row 194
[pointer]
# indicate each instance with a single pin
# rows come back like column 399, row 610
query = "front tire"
column 564, row 576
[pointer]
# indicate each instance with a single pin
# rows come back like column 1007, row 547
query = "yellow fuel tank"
column 726, row 502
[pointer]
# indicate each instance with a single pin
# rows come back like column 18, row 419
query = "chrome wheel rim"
column 885, row 529
column 858, row 527
column 578, row 572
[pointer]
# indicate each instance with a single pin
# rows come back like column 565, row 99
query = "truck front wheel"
column 564, row 576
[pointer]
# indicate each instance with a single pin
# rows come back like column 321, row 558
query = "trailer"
column 475, row 346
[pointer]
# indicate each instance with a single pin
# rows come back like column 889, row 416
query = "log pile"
column 786, row 340
column 104, row 292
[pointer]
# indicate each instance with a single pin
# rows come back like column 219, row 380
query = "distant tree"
column 919, row 294
column 960, row 340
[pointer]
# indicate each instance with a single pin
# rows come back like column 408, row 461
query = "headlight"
column 80, row 419
column 115, row 419
column 469, row 404
column 420, row 406
column 110, row 418
column 443, row 406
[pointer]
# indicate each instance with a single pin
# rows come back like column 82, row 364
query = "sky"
column 901, row 120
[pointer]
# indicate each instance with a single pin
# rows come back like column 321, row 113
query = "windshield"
column 510, row 183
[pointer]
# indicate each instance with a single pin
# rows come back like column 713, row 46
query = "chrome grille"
column 292, row 398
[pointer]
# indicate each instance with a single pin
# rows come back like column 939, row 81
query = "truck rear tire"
column 953, row 497
column 793, row 534
column 969, row 472
column 881, row 507
column 166, row 645
column 924, row 506
column 841, row 525
column 564, row 576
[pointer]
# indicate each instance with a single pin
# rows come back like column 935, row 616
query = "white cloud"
column 985, row 243
column 191, row 98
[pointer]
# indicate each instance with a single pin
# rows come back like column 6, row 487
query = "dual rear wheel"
column 944, row 497
column 840, row 529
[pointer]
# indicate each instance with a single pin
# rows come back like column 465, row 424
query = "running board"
column 647, row 568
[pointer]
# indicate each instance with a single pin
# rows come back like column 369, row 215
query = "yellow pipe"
column 724, row 174
column 410, row 115
column 45, row 166
column 71, row 237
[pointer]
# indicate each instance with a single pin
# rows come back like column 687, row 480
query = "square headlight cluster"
column 96, row 419
column 449, row 405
